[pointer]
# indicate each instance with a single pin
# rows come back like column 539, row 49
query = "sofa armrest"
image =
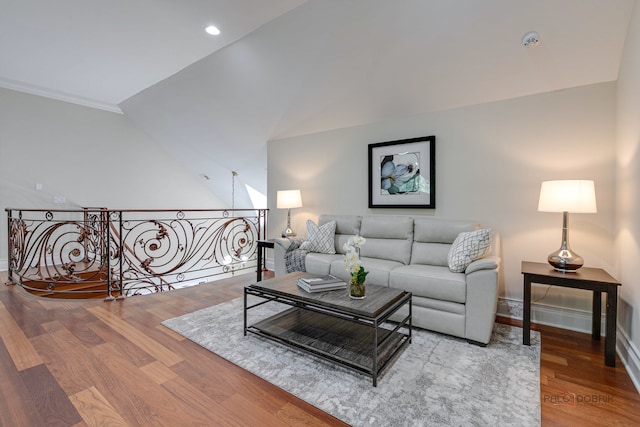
column 282, row 242
column 280, row 247
column 486, row 263
column 483, row 278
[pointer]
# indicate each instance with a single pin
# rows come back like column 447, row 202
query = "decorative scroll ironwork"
column 122, row 253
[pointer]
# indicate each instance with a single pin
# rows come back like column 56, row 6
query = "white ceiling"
column 285, row 67
column 101, row 52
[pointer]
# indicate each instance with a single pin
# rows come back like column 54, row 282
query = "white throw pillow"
column 468, row 247
column 320, row 239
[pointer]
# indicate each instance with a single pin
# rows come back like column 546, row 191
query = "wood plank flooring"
column 94, row 363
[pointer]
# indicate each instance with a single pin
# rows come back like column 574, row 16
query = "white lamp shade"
column 576, row 196
column 289, row 199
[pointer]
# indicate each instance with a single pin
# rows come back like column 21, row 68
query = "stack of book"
column 321, row 283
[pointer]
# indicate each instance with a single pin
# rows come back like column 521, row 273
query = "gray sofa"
column 411, row 253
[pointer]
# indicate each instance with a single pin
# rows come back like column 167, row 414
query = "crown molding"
column 60, row 96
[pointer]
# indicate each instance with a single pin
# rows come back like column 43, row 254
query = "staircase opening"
column 113, row 254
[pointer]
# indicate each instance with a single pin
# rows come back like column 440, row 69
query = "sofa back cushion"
column 388, row 237
column 433, row 239
column 346, row 226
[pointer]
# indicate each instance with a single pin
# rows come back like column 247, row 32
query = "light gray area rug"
column 437, row 380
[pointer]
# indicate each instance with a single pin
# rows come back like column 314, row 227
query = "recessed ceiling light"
column 212, row 29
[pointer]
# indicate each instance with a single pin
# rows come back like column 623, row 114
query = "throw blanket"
column 294, row 257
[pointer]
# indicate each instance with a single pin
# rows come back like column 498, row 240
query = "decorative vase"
column 356, row 289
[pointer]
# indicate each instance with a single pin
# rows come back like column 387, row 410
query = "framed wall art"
column 402, row 174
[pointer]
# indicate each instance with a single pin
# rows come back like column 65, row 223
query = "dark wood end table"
column 262, row 246
column 591, row 279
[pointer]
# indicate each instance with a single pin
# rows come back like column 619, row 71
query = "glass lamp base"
column 565, row 261
column 288, row 233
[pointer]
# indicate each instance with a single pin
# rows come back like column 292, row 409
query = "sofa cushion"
column 378, row 269
column 388, row 237
column 432, row 230
column 430, row 282
column 320, row 263
column 320, row 238
column 430, row 254
column 468, row 247
column 346, row 226
column 439, row 305
column 433, row 239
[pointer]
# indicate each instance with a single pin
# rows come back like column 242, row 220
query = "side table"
column 262, row 246
column 592, row 279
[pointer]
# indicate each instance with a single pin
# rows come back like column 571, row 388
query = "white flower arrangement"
column 352, row 261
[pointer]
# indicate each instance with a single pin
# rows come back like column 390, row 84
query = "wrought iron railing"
column 121, row 253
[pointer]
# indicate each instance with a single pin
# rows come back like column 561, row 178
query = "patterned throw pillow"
column 468, row 247
column 320, row 239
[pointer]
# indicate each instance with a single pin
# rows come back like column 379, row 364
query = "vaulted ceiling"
column 282, row 68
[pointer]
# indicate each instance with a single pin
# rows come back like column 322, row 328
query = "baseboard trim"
column 630, row 357
column 575, row 320
column 4, row 264
column 562, row 317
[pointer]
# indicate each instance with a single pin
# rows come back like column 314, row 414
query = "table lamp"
column 288, row 199
column 576, row 196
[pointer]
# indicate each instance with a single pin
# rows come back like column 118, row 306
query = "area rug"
column 438, row 380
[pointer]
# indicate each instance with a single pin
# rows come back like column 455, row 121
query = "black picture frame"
column 397, row 175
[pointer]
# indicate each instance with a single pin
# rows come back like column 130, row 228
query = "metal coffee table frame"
column 344, row 335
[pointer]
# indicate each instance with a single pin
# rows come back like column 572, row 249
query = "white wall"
column 91, row 157
column 490, row 161
column 628, row 197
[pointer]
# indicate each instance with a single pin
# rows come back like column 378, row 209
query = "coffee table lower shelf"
column 362, row 347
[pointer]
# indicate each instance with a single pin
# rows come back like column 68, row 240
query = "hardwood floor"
column 93, row 363
column 576, row 388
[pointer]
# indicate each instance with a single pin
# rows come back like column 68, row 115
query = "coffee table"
column 353, row 333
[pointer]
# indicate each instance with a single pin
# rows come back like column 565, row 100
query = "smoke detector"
column 531, row 39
